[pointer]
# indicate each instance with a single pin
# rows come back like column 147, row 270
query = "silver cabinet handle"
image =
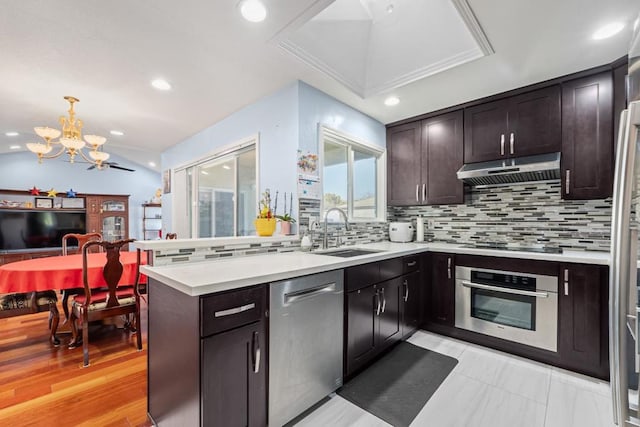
column 566, row 274
column 384, row 301
column 255, row 343
column 234, row 310
column 449, row 268
column 424, row 193
column 406, row 290
column 411, row 264
column 502, row 144
column 417, row 193
column 378, row 304
column 308, row 293
column 566, row 288
column 512, row 139
column 504, row 290
column 567, row 181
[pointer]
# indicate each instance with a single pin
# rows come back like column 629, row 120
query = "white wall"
column 21, row 171
column 274, row 118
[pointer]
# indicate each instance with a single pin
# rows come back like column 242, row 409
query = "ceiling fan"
column 110, row 165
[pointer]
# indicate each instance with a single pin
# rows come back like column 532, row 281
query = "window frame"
column 328, row 134
column 192, row 188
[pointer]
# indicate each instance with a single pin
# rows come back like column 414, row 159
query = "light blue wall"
column 286, row 121
column 274, row 118
column 318, row 107
column 21, row 171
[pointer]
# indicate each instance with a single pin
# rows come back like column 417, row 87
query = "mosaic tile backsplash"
column 527, row 214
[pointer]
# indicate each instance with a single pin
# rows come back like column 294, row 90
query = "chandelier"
column 70, row 142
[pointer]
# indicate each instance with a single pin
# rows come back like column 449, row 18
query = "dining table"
column 64, row 273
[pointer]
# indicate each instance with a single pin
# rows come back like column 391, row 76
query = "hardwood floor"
column 41, row 385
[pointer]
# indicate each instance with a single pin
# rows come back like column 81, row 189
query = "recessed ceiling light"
column 608, row 31
column 390, row 8
column 161, row 84
column 227, row 167
column 204, row 172
column 391, row 101
column 117, row 132
column 152, row 164
column 14, row 147
column 253, row 10
column 12, row 133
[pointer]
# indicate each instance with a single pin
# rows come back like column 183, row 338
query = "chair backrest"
column 112, row 270
column 81, row 239
column 172, row 236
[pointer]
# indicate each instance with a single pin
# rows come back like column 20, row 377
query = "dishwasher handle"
column 292, row 297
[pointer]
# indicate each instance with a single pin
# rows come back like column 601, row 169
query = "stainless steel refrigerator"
column 624, row 308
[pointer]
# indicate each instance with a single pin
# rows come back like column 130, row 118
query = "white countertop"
column 201, row 278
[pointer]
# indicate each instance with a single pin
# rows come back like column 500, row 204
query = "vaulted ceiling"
column 106, row 53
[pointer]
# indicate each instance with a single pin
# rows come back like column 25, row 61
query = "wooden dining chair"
column 97, row 304
column 81, row 239
column 18, row 304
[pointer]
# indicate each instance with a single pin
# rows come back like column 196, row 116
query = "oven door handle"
column 505, row 290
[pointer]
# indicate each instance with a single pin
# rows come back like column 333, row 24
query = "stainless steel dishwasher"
column 305, row 343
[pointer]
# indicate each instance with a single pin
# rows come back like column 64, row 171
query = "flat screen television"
column 27, row 229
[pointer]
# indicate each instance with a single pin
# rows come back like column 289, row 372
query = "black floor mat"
column 397, row 386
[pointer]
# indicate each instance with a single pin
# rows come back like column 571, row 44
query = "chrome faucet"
column 325, row 241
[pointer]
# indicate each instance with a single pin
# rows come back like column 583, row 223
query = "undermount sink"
column 347, row 253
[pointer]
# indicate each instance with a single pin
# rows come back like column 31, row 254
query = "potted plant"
column 286, row 220
column 265, row 223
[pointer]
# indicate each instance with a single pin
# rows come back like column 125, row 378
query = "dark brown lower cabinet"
column 373, row 322
column 234, row 388
column 583, row 319
column 411, row 302
column 441, row 298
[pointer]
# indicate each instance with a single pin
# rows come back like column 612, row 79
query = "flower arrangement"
column 287, row 215
column 264, row 206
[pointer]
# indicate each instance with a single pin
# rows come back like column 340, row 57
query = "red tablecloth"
column 63, row 272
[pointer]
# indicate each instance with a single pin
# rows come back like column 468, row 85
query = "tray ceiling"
column 373, row 46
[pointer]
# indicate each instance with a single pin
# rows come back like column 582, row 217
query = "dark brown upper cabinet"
column 587, row 137
column 521, row 125
column 423, row 158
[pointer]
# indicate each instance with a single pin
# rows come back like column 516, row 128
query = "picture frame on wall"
column 44, row 203
column 166, row 181
column 73, row 203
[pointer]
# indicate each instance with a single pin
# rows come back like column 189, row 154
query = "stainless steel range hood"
column 522, row 169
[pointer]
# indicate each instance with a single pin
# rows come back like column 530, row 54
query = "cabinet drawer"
column 222, row 312
column 391, row 268
column 410, row 264
column 361, row 276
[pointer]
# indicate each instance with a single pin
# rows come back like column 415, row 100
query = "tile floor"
column 488, row 388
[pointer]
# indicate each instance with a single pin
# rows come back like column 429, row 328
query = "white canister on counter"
column 419, row 229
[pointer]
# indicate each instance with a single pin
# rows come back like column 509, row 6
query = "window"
column 221, row 192
column 352, row 176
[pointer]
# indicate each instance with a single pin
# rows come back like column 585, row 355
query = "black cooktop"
column 544, row 250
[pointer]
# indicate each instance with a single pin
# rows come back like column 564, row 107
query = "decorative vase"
column 285, row 228
column 265, row 226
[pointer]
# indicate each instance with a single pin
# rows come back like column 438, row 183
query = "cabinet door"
column 587, row 138
column 411, row 302
column 534, row 123
column 361, row 326
column 389, row 326
column 234, row 389
column 583, row 317
column 442, row 285
column 404, row 185
column 485, row 131
column 442, row 156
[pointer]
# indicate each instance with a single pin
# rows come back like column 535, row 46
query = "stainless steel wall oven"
column 519, row 307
